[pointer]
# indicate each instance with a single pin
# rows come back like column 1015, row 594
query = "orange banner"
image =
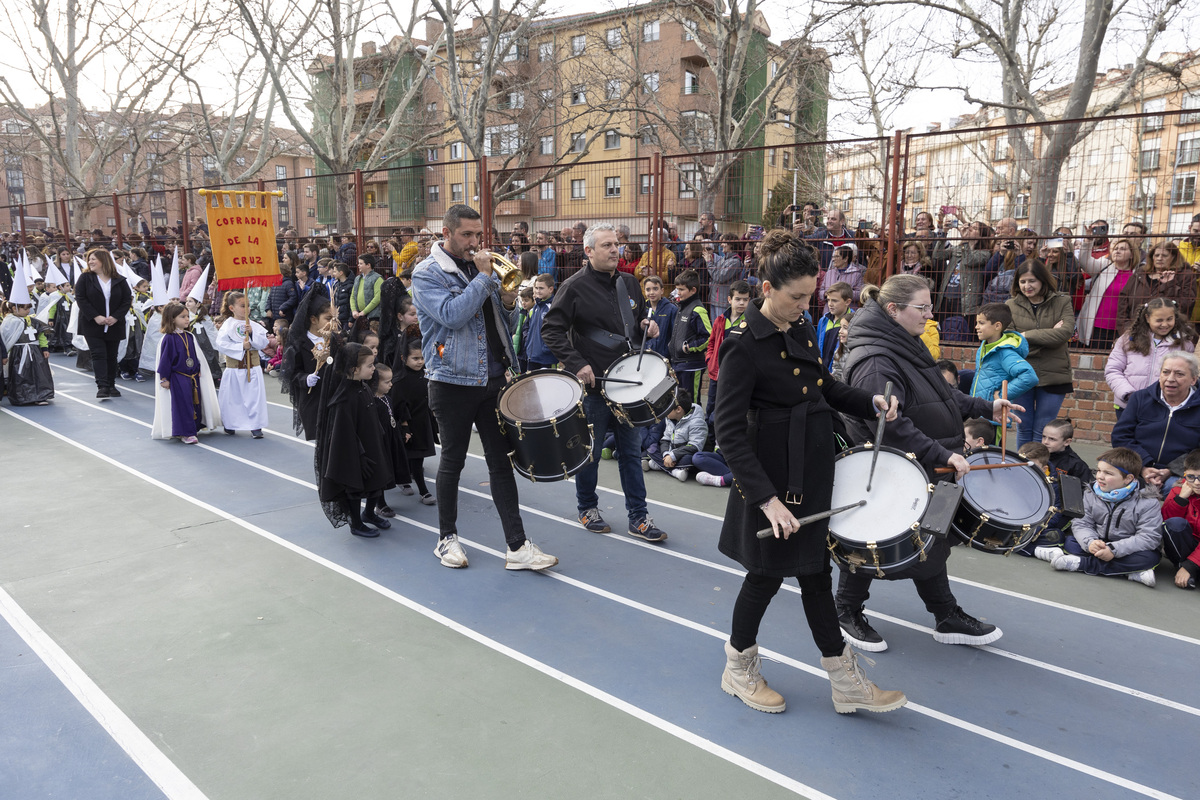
column 241, row 230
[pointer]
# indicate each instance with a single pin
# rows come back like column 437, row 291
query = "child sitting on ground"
column 1121, row 528
column 1057, row 436
column 1181, row 523
column 682, row 438
column 1055, row 528
column 979, row 433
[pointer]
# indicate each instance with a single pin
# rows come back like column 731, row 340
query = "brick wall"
column 1090, row 406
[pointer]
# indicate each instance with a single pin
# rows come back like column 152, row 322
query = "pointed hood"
column 173, row 291
column 19, row 296
column 197, row 292
column 54, row 275
column 158, row 289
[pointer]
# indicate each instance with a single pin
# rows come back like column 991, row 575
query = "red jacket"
column 1189, row 511
column 714, row 342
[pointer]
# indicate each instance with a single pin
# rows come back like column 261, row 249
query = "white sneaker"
column 680, row 474
column 407, row 489
column 1047, row 553
column 451, row 552
column 654, row 465
column 645, row 464
column 708, row 479
column 530, row 556
column 1145, row 577
column 1066, row 562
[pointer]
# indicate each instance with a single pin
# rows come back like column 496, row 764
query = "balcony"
column 514, row 207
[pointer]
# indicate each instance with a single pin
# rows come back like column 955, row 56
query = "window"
column 649, row 135
column 612, row 186
column 107, row 178
column 697, row 130
column 456, row 151
column 650, row 31
column 546, row 96
column 513, row 100
column 1069, row 196
column 921, row 164
column 1150, row 106
column 1190, row 102
column 612, row 89
column 310, row 212
column 431, row 108
column 1183, row 190
column 578, row 189
column 111, row 222
column 649, row 82
column 456, row 193
column 285, row 214
column 546, row 190
column 846, row 204
column 612, row 140
column 771, row 157
column 645, row 183
column 501, row 140
column 1000, row 177
column 1001, row 149
column 998, row 206
column 835, row 183
column 366, row 80
column 280, row 172
column 785, row 117
column 689, row 30
column 511, row 49
column 578, row 143
column 309, row 192
column 1116, row 154
column 688, row 177
column 772, row 70
column 518, row 184
column 787, row 160
column 546, row 51
column 1093, row 158
column 308, row 172
column 435, row 192
column 1189, row 149
column 613, row 38
column 1114, row 191
column 691, row 82
column 546, row 146
column 431, row 154
column 12, row 126
column 578, row 94
column 578, row 45
column 1022, row 208
column 1150, row 155
column 1145, row 199
column 918, row 192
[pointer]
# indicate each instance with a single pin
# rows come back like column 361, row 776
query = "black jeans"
column 855, row 587
column 104, row 360
column 816, row 593
column 456, row 409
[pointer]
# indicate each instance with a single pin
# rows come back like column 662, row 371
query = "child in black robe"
column 393, row 439
column 314, row 332
column 410, row 395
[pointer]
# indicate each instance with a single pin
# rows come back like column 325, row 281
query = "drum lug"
column 500, row 422
column 868, row 446
column 918, row 541
column 520, row 433
column 875, row 555
column 911, row 456
column 983, row 519
column 554, row 425
column 566, row 475
column 930, row 488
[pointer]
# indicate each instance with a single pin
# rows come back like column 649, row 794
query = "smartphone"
column 1100, row 230
column 952, row 223
column 864, row 225
column 949, row 210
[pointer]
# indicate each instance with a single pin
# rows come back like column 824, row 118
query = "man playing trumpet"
column 467, row 344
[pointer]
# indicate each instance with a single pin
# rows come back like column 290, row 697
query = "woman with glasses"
column 884, row 345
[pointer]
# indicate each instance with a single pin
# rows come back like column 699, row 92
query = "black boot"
column 858, row 631
column 356, row 522
column 370, row 516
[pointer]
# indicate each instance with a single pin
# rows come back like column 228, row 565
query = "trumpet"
column 321, row 350
column 509, row 273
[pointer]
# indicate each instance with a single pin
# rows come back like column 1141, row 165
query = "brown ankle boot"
column 853, row 690
column 743, row 680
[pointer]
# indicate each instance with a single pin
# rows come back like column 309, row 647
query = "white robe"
column 149, row 358
column 77, row 341
column 210, row 406
column 243, row 396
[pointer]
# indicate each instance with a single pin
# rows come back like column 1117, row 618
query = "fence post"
column 485, row 201
column 21, row 211
column 894, row 228
column 360, row 211
column 66, row 221
column 656, row 204
column 117, row 217
column 183, row 215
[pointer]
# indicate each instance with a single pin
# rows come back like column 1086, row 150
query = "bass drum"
column 884, row 535
column 1002, row 509
column 541, row 414
column 638, row 406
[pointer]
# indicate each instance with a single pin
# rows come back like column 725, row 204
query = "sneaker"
column 102, row 393
column 708, row 479
column 256, row 433
column 592, row 520
column 530, row 556
column 385, row 511
column 114, row 391
column 125, row 376
column 1047, row 553
column 139, row 377
column 646, row 529
column 961, row 628
column 229, row 432
column 1066, row 563
column 451, row 552
column 680, row 474
column 606, row 454
column 645, row 464
column 657, row 467
column 1145, row 577
column 427, row 499
column 858, row 632
column 407, row 490
column 190, row 440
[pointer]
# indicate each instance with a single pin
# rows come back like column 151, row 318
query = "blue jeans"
column 1040, row 407
column 629, row 460
column 1121, row 565
column 713, row 464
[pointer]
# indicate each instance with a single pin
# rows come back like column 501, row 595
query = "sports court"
column 184, row 623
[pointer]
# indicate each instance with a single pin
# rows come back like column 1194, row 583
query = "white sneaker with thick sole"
column 451, row 552
column 680, row 474
column 1145, row 577
column 530, row 556
column 708, row 479
column 1047, row 553
column 1066, row 563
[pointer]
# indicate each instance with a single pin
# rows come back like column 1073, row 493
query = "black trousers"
column 104, row 360
column 855, row 587
column 816, row 593
column 457, row 408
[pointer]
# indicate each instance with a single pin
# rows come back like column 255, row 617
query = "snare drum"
column 639, row 406
column 541, row 414
column 884, row 535
column 1002, row 509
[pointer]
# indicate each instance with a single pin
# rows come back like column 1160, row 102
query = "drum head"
column 1014, row 496
column 652, row 372
column 898, row 497
column 540, row 396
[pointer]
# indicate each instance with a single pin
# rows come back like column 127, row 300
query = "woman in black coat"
column 283, row 299
column 774, row 424
column 884, row 345
column 104, row 298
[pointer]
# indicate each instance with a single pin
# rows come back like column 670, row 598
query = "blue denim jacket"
column 450, row 310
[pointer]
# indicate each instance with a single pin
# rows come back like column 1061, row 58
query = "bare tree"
column 95, row 48
column 1027, row 41
column 360, row 100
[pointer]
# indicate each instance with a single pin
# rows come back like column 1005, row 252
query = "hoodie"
column 685, row 436
column 1003, row 360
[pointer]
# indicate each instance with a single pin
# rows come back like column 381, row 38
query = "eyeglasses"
column 924, row 309
column 1191, row 477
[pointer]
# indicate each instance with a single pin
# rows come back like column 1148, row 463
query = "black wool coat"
column 356, row 464
column 774, row 422
column 90, row 298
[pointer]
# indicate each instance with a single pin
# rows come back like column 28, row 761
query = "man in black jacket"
column 587, row 330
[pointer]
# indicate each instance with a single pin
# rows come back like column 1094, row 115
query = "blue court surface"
column 259, row 653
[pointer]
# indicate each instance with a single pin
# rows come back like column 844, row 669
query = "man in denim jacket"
column 467, row 344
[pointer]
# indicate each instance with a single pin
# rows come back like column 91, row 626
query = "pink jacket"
column 189, row 280
column 1127, row 371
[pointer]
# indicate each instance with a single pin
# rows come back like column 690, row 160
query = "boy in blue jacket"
column 689, row 339
column 1001, row 356
column 538, row 354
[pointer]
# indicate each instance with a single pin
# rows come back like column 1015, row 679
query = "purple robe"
column 179, row 363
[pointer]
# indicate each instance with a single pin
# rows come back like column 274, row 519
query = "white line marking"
column 634, row 711
column 158, row 768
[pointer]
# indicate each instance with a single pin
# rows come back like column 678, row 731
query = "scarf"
column 1116, row 495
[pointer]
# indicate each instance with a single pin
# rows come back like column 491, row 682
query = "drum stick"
column 619, row 380
column 645, row 333
column 1004, row 425
column 887, row 403
column 767, row 533
column 974, row 467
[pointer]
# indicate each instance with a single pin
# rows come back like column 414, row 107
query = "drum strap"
column 623, row 304
column 616, row 341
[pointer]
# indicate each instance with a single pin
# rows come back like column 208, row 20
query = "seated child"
column 682, row 438
column 1057, row 437
column 1181, row 523
column 711, row 469
column 1121, row 527
column 979, row 433
column 1052, row 533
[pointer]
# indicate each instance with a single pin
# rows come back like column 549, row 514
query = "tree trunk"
column 344, row 192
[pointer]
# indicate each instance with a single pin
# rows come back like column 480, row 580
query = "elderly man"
column 1161, row 423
